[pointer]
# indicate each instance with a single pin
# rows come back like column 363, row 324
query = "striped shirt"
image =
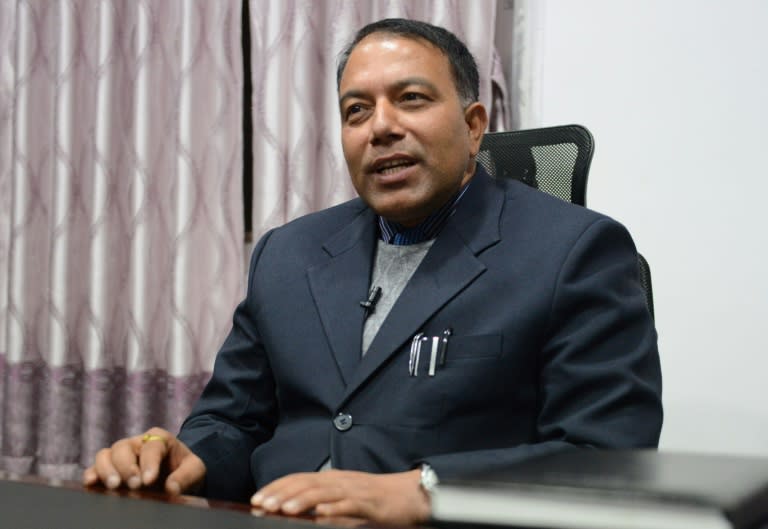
column 394, row 233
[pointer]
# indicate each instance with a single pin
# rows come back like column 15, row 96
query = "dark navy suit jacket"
column 552, row 347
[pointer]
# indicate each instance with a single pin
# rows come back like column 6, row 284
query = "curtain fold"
column 122, row 237
column 518, row 33
column 7, row 76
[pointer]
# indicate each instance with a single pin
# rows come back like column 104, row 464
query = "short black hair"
column 463, row 65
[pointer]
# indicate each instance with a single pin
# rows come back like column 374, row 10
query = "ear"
column 477, row 121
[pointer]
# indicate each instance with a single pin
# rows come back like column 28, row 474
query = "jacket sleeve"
column 599, row 381
column 237, row 410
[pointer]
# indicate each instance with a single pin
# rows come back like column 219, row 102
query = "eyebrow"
column 399, row 85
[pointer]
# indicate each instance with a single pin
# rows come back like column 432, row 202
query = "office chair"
column 555, row 160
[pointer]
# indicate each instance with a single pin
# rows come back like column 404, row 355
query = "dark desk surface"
column 31, row 503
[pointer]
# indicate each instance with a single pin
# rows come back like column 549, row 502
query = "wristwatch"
column 428, row 480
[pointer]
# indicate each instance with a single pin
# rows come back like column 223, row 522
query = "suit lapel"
column 339, row 285
column 449, row 267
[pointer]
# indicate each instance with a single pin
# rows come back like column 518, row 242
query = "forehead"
column 383, row 57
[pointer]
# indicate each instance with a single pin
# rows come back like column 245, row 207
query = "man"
column 497, row 323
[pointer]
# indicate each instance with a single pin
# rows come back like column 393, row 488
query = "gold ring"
column 147, row 437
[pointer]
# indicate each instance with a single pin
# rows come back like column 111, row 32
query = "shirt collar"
column 394, row 233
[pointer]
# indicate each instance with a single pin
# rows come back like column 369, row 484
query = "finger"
column 105, row 470
column 270, row 490
column 315, row 493
column 153, row 449
column 188, row 476
column 310, row 499
column 272, row 496
column 90, row 477
column 346, row 507
column 125, row 458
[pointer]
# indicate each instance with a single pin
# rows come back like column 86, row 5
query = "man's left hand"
column 387, row 498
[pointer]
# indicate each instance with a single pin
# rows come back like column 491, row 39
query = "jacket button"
column 343, row 422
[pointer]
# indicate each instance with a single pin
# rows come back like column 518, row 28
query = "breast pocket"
column 467, row 348
column 470, row 372
column 430, row 354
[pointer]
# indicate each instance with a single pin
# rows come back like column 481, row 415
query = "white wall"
column 676, row 95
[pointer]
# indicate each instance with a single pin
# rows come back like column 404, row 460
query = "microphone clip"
column 370, row 304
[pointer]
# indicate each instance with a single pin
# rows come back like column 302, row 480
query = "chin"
column 398, row 208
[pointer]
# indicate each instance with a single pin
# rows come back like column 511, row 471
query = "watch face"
column 428, row 479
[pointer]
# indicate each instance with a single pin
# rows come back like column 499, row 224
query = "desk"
column 34, row 503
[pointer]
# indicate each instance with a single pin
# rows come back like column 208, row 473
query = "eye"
column 352, row 110
column 414, row 100
column 413, row 96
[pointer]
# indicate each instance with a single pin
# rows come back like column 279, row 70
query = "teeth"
column 393, row 166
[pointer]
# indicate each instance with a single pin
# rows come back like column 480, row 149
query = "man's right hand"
column 143, row 461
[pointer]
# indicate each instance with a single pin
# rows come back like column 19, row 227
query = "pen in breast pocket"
column 413, row 358
column 444, row 345
column 433, row 355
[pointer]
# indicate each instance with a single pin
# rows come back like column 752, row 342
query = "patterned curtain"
column 121, row 239
column 121, row 193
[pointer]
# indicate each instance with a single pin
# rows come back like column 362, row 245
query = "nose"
column 385, row 124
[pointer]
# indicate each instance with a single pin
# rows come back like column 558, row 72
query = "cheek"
column 353, row 149
column 450, row 152
column 448, row 134
column 353, row 159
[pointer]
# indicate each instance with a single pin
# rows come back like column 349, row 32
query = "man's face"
column 408, row 142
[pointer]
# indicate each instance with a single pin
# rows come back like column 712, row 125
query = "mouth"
column 391, row 165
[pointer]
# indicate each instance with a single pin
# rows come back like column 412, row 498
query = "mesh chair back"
column 555, row 160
